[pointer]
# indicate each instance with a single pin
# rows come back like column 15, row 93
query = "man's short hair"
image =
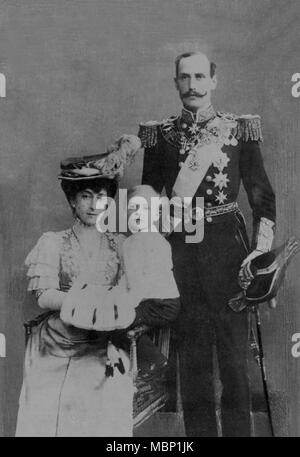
column 178, row 59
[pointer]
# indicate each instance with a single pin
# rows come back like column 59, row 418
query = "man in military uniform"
column 204, row 153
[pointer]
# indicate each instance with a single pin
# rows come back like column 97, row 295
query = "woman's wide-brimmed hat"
column 110, row 164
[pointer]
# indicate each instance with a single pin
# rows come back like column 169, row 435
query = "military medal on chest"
column 200, row 141
column 220, row 179
column 203, row 146
column 189, row 137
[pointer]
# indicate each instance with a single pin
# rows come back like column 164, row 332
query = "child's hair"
column 142, row 190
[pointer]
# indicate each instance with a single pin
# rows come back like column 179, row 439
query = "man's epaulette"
column 148, row 133
column 249, row 128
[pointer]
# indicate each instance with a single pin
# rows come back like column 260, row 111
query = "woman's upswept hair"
column 71, row 188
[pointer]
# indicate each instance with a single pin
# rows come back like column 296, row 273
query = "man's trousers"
column 206, row 274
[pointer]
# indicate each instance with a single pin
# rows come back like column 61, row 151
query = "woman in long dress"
column 66, row 390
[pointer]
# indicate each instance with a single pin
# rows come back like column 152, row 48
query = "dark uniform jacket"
column 242, row 161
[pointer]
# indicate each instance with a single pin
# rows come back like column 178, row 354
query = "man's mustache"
column 192, row 93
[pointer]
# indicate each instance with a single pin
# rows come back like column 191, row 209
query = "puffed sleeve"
column 43, row 263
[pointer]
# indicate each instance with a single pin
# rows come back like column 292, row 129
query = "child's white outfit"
column 147, row 265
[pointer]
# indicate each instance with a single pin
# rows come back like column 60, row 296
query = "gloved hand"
column 251, row 256
column 263, row 242
column 245, row 275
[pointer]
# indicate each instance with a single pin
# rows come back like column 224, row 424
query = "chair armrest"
column 133, row 335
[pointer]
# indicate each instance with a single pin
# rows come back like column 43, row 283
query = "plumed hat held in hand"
column 267, row 272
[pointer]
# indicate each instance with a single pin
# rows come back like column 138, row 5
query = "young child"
column 146, row 255
column 147, row 264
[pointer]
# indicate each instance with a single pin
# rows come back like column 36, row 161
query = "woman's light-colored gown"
column 65, row 391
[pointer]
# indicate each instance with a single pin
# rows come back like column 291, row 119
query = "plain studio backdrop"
column 81, row 73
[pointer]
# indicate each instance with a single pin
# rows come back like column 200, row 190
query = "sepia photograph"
column 149, row 226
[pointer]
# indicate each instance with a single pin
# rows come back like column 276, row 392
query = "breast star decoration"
column 220, row 180
column 221, row 161
column 217, row 133
column 221, row 197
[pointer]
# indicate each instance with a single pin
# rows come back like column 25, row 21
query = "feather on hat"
column 111, row 164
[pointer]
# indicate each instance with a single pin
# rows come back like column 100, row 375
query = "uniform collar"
column 201, row 116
